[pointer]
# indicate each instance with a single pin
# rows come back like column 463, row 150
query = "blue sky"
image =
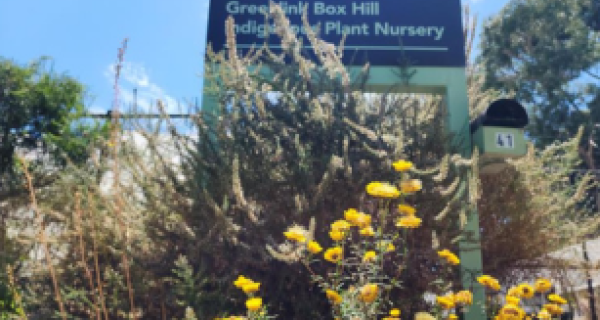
column 164, row 55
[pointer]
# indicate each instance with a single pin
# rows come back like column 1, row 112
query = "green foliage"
column 537, row 50
column 40, row 110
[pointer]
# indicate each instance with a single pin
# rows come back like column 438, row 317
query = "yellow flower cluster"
column 451, row 301
column 512, row 310
column 450, row 257
column 249, row 287
column 408, row 220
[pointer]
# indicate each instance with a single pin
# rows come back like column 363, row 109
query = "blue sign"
column 381, row 32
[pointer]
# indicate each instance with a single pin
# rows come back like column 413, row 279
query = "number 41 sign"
column 505, row 140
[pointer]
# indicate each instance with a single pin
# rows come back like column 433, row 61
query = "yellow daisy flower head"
column 513, row 300
column 450, row 257
column 363, row 220
column 395, row 312
column 350, row 215
column 489, row 282
column 334, row 254
column 452, row 316
column 402, row 165
column 340, row 225
column 527, row 290
column 382, row 190
column 557, row 299
column 544, row 315
column 336, row 235
column 463, row 297
column 314, row 247
column 553, row 309
column 514, row 292
column 368, row 293
column 251, row 287
column 333, row 296
column 367, row 232
column 510, row 311
column 446, row 302
column 408, row 221
column 370, row 256
column 241, row 281
column 406, row 209
column 542, row 285
column 295, row 233
column 411, row 186
column 254, row 304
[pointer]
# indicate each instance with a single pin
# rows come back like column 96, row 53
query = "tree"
column 538, row 51
column 40, row 110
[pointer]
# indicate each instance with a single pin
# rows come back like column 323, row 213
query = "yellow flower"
column 557, row 299
column 367, row 232
column 368, row 293
column 514, row 292
column 340, row 225
column 450, row 257
column 334, row 254
column 406, row 209
column 370, row 256
column 554, row 309
column 363, row 220
column 408, row 222
column 254, row 304
column 452, row 317
column 395, row 312
column 295, row 234
column 357, row 219
column 382, row 190
column 251, row 287
column 241, row 281
column 542, row 285
column 463, row 297
column 489, row 282
column 446, row 302
column 336, row 235
column 512, row 300
column 333, row 296
column 411, row 186
column 314, row 247
column 527, row 291
column 544, row 315
column 510, row 311
column 402, row 165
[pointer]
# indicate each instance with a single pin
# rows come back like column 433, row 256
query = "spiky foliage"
column 296, row 139
column 292, row 140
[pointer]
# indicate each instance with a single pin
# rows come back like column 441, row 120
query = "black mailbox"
column 505, row 113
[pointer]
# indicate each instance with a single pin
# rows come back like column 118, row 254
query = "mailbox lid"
column 500, row 142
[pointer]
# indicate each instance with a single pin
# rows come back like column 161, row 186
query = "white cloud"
column 135, row 76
